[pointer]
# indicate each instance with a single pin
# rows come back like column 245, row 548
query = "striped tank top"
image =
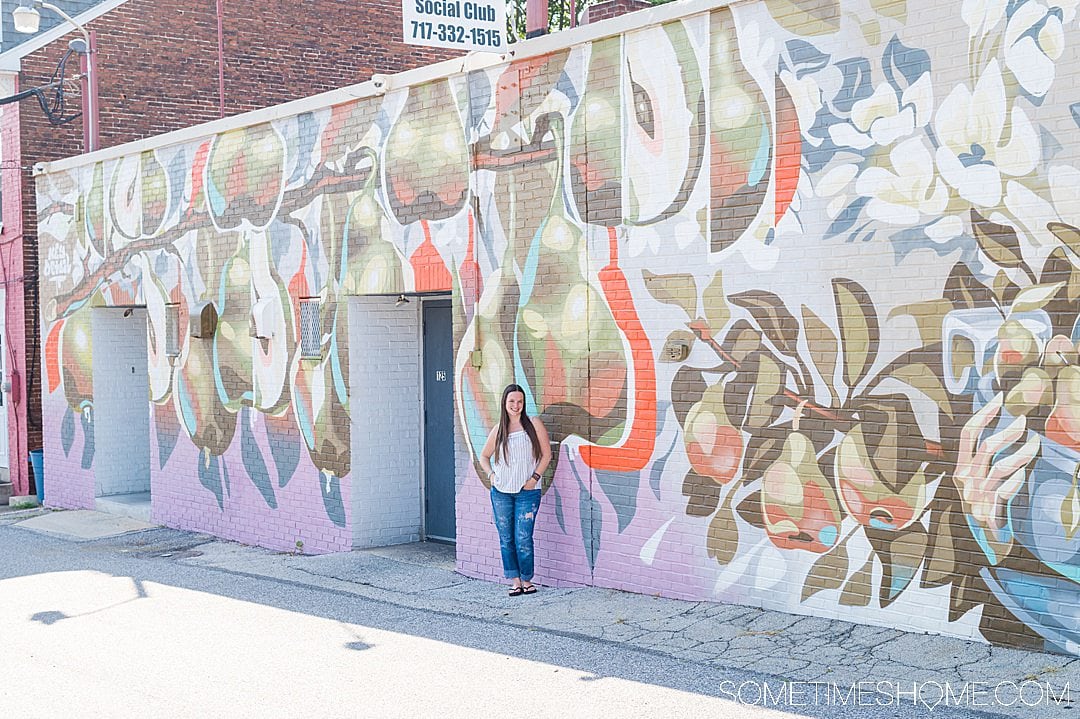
column 516, row 464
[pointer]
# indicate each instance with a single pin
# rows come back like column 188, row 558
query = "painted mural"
column 795, row 286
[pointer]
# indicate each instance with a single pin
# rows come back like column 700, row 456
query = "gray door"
column 439, row 490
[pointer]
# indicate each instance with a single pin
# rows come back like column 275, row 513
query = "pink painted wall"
column 12, row 279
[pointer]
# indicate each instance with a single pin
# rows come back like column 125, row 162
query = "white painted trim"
column 10, row 59
column 542, row 45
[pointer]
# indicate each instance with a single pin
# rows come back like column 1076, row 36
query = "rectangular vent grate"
column 311, row 328
column 172, row 330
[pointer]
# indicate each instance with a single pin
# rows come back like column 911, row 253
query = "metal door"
column 439, row 488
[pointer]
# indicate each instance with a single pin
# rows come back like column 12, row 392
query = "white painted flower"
column 886, row 116
column 1032, row 212
column 982, row 15
column 976, row 151
column 907, row 190
column 1034, row 41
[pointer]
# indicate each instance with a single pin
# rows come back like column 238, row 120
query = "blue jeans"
column 515, row 516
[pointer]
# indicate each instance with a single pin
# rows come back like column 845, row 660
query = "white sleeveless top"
column 513, row 468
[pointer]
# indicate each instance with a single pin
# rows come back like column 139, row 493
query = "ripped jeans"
column 515, row 515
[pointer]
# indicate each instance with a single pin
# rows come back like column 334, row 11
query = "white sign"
column 458, row 24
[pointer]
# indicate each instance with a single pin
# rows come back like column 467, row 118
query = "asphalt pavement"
column 449, row 645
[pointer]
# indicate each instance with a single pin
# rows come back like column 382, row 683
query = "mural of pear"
column 665, row 144
column 244, row 177
column 799, row 504
column 426, row 158
column 740, row 136
column 713, row 444
column 873, row 499
column 596, row 139
column 1063, row 424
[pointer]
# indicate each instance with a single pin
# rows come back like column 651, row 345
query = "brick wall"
column 121, row 407
column 612, row 8
column 386, row 421
column 158, row 72
column 796, row 294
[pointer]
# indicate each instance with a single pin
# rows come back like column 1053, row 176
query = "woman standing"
column 514, row 458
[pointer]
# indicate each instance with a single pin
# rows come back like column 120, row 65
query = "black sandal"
column 531, row 589
column 516, row 591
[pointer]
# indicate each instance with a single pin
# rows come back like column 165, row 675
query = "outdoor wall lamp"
column 27, row 20
column 401, row 300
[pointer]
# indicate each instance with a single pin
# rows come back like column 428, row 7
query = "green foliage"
column 559, row 14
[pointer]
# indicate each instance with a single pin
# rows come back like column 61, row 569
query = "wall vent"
column 311, row 328
column 172, row 330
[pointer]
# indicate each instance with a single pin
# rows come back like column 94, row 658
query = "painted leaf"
column 686, row 389
column 769, row 384
column 702, row 493
column 716, row 307
column 750, row 510
column 1059, row 268
column 1034, row 297
column 824, row 347
column 859, row 333
column 769, row 312
column 1070, row 511
column 679, row 290
column 928, row 316
column 900, row 559
column 941, row 554
column 999, row 242
column 927, row 381
column 965, row 291
column 828, row 572
column 857, row 589
column 722, row 542
column 1066, row 233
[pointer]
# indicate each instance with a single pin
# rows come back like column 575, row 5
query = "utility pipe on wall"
column 221, row 56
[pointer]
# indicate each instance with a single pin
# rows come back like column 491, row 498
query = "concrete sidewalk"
column 816, row 654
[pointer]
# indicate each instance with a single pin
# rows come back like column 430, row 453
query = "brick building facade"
column 158, row 70
column 794, row 285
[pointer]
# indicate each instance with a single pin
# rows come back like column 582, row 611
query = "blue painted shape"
column 847, row 217
column 67, row 431
column 284, row 449
column 210, row 477
column 254, row 464
column 558, row 507
column 806, row 58
column 167, row 429
column 332, row 501
column 88, row 442
column 904, row 65
column 592, row 519
column 857, row 84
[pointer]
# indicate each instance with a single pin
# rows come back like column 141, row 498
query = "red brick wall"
column 158, row 71
column 613, row 8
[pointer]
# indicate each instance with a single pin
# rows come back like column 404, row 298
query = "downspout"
column 221, row 56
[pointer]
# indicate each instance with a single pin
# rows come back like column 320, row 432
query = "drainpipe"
column 536, row 18
column 221, row 56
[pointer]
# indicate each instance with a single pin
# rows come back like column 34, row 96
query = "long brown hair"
column 502, row 437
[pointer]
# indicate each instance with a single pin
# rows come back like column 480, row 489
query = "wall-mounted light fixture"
column 401, row 300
